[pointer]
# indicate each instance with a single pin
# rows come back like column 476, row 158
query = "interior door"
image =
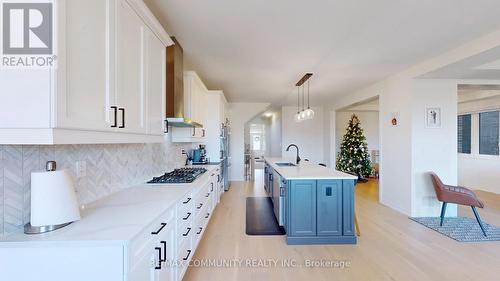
column 156, row 75
column 131, row 97
column 86, row 51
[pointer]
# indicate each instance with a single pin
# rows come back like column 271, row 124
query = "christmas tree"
column 353, row 156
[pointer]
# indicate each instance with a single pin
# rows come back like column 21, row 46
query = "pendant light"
column 303, row 112
column 297, row 117
column 309, row 113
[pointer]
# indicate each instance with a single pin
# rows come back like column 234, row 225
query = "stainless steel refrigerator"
column 225, row 155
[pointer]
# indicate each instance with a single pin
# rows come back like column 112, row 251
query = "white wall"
column 275, row 141
column 307, row 135
column 369, row 122
column 474, row 170
column 239, row 114
column 401, row 165
column 433, row 149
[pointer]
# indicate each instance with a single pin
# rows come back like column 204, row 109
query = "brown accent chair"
column 456, row 195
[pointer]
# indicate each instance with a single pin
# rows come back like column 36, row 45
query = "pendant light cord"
column 308, row 95
column 303, row 97
column 298, row 99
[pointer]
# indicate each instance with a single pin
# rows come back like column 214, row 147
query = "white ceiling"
column 257, row 50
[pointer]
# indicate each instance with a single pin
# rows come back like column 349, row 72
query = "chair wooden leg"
column 443, row 212
column 476, row 214
column 358, row 232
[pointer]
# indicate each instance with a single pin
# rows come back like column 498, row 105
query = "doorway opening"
column 262, row 139
column 367, row 112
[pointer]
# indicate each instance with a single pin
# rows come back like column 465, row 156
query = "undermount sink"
column 286, row 164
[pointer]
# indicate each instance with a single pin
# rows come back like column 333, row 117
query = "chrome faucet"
column 297, row 148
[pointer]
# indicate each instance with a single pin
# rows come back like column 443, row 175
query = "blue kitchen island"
column 313, row 203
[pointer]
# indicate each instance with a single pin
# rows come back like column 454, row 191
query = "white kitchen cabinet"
column 195, row 109
column 130, row 64
column 143, row 233
column 84, row 95
column 108, row 86
column 194, row 97
column 155, row 87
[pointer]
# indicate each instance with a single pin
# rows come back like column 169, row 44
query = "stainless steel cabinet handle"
column 203, row 133
column 160, row 229
column 123, row 117
column 194, row 131
column 187, row 257
column 187, row 233
column 115, row 116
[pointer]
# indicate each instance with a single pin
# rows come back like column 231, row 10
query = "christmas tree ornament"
column 353, row 155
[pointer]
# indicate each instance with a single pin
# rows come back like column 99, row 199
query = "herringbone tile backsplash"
column 109, row 169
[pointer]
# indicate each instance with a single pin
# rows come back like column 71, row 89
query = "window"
column 464, row 134
column 488, row 133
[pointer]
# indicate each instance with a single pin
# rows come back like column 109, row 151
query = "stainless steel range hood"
column 175, row 88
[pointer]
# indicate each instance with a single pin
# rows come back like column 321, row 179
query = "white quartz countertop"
column 120, row 216
column 306, row 171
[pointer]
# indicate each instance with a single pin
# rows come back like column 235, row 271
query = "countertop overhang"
column 306, row 171
column 120, row 216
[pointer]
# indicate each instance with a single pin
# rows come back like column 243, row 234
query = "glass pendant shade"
column 297, row 117
column 309, row 113
column 303, row 115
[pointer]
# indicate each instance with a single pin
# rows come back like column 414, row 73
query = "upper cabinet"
column 195, row 109
column 194, row 97
column 109, row 84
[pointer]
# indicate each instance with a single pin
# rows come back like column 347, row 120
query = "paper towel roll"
column 53, row 198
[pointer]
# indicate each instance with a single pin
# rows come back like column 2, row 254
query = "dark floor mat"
column 260, row 219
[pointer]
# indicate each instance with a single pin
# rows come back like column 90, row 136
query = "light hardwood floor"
column 391, row 246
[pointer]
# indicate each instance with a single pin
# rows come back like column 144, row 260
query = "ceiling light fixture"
column 304, row 114
column 309, row 113
column 297, row 116
column 303, row 111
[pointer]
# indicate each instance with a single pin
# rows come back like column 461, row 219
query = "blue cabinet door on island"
column 302, row 208
column 329, row 216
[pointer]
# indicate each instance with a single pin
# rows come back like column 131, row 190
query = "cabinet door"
column 167, row 243
column 156, row 67
column 302, row 208
column 86, row 51
column 329, row 209
column 130, row 63
column 348, row 207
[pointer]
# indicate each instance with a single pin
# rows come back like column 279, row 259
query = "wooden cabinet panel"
column 329, row 209
column 348, row 207
column 302, row 204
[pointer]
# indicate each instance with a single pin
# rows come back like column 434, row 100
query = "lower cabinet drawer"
column 184, row 256
column 185, row 232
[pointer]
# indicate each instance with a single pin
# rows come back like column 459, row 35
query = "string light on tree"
column 353, row 156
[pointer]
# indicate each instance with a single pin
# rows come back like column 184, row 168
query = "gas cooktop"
column 183, row 175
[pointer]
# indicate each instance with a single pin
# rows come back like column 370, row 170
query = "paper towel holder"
column 64, row 187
